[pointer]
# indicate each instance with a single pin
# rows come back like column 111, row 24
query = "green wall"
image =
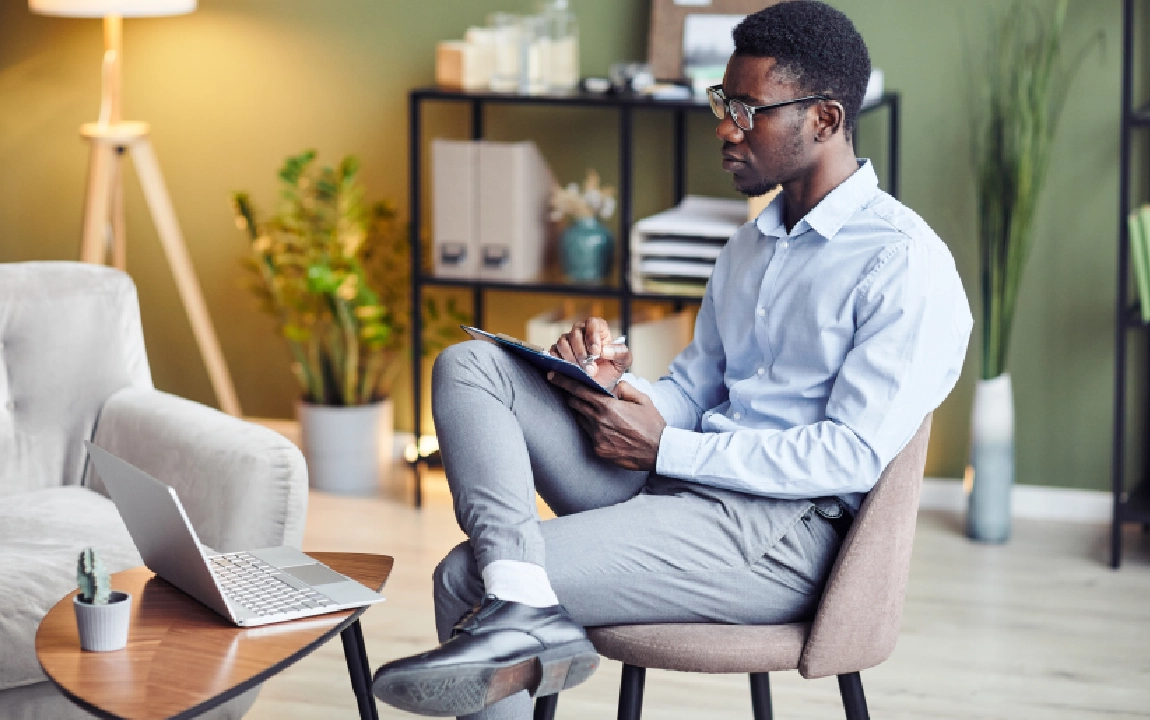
column 235, row 86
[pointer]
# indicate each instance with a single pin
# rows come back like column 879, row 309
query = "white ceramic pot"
column 104, row 627
column 348, row 449
column 992, row 459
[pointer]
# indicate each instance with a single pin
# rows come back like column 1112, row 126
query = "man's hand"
column 594, row 338
column 624, row 430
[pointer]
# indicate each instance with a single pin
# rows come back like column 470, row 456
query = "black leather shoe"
column 496, row 650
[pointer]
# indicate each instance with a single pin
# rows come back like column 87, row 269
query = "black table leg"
column 359, row 670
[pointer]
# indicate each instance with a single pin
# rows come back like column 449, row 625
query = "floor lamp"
column 111, row 137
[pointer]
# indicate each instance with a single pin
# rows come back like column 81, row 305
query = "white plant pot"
column 992, row 460
column 348, row 449
column 104, row 627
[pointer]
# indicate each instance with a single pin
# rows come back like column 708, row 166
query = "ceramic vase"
column 586, row 250
column 348, row 449
column 103, row 628
column 992, row 461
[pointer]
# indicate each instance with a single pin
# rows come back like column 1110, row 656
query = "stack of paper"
column 1139, row 227
column 674, row 251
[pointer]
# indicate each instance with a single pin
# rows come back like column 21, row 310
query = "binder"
column 513, row 188
column 455, row 244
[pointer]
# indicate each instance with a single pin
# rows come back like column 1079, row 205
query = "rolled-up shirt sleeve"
column 912, row 324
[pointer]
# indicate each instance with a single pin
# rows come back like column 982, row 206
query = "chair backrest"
column 858, row 619
column 70, row 336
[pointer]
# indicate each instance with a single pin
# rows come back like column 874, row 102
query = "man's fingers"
column 625, row 392
column 564, row 348
column 578, row 343
column 598, row 335
column 574, row 387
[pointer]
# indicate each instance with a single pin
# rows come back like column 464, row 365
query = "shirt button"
column 738, row 416
column 761, row 312
column 783, row 245
column 760, row 371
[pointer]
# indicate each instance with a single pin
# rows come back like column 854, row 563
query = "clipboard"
column 538, row 357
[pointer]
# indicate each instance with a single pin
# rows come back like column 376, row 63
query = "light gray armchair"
column 73, row 366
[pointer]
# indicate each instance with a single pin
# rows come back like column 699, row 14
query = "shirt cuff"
column 678, row 450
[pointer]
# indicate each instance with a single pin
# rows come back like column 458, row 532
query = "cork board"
column 665, row 39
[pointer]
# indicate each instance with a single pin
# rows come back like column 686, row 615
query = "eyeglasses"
column 742, row 113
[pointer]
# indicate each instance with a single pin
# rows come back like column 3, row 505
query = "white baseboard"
column 1026, row 501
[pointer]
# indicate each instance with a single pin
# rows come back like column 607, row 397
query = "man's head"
column 792, row 50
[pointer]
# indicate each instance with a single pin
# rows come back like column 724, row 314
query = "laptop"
column 251, row 588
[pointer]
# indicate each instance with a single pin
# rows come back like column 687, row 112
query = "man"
column 831, row 326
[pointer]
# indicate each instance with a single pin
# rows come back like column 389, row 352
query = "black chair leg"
column 631, row 692
column 761, row 696
column 854, row 702
column 545, row 707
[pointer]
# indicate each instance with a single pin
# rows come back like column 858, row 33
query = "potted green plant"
column 344, row 333
column 1023, row 85
column 102, row 614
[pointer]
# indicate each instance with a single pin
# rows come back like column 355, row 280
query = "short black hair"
column 817, row 45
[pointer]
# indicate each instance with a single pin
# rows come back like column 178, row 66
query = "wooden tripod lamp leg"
column 94, row 246
column 118, row 220
column 164, row 217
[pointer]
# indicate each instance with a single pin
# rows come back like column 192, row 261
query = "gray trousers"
column 628, row 546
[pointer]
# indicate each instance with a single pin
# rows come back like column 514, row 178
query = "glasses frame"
column 721, row 106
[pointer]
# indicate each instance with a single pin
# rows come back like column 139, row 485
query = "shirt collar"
column 832, row 212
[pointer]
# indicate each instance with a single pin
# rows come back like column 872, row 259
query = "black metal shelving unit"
column 626, row 105
column 1131, row 505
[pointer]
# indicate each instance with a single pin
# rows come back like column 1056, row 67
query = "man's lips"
column 732, row 163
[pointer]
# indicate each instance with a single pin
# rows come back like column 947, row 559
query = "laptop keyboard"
column 252, row 583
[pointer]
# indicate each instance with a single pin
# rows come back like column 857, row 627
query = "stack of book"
column 1139, row 225
column 674, row 252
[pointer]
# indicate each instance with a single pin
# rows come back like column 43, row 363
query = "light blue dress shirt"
column 817, row 353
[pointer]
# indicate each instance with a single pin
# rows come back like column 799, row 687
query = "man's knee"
column 465, row 358
column 456, row 577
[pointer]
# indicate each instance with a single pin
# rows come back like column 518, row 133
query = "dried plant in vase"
column 586, row 248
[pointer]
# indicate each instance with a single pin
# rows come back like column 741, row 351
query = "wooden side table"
column 182, row 659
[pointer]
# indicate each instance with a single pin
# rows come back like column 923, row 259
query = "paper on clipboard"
column 538, row 357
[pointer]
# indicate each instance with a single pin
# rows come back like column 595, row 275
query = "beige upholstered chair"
column 73, row 367
column 855, row 627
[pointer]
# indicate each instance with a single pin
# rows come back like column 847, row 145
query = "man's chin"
column 754, row 189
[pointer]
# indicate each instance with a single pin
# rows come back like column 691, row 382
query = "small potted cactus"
column 102, row 614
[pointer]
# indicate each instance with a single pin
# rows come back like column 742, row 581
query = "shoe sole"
column 466, row 689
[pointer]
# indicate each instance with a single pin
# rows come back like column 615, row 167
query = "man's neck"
column 802, row 194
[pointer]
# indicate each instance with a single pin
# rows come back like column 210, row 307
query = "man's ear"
column 829, row 119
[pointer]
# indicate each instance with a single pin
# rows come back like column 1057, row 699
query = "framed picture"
column 694, row 34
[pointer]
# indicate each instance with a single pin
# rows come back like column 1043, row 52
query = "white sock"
column 520, row 582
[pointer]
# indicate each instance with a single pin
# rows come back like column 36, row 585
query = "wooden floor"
column 1038, row 628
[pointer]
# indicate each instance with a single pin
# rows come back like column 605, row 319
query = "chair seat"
column 704, row 648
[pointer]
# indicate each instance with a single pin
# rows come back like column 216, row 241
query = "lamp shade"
column 100, row 8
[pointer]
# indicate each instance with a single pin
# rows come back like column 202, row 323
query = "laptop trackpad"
column 315, row 574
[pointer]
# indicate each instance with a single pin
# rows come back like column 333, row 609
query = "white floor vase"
column 347, row 448
column 992, row 459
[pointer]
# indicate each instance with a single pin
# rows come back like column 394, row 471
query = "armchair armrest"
column 243, row 486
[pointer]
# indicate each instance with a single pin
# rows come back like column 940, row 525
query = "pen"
column 621, row 340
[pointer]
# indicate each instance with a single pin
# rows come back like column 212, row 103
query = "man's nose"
column 728, row 131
